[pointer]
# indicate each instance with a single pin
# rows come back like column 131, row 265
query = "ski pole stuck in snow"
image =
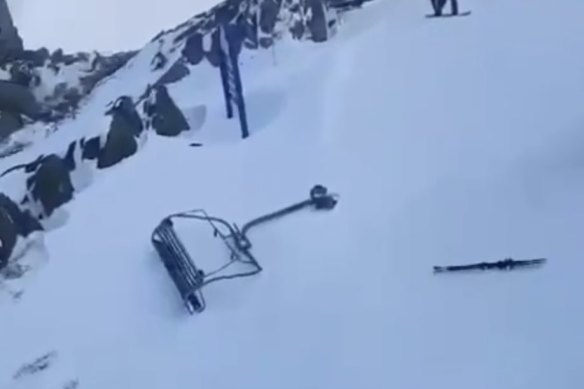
column 506, row 264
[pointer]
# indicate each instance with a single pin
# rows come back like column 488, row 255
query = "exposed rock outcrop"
column 163, row 114
column 18, row 99
column 49, row 87
column 49, row 187
column 10, row 122
column 122, row 138
column 175, row 73
column 102, row 67
column 255, row 24
column 14, row 222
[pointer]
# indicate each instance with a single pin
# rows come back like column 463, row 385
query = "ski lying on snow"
column 507, row 264
column 466, row 13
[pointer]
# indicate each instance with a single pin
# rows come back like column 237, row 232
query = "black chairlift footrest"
column 183, row 272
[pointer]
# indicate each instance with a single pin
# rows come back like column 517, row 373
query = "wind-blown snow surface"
column 450, row 141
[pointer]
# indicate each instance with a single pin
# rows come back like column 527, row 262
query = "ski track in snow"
column 449, row 142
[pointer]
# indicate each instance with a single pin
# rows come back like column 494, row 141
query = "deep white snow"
column 449, row 141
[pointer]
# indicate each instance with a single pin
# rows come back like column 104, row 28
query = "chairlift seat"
column 188, row 278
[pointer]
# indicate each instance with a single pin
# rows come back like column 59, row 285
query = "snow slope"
column 449, row 141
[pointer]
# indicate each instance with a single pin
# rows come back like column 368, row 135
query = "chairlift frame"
column 188, row 278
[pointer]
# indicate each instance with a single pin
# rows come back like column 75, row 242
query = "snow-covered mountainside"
column 170, row 55
column 449, row 141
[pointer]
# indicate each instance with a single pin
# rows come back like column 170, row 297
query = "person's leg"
column 454, row 5
column 435, row 7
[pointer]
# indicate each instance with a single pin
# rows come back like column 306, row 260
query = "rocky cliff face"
column 10, row 41
column 39, row 85
column 255, row 24
column 50, row 86
column 59, row 81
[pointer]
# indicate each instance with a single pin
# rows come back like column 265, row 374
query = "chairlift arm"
column 319, row 198
column 274, row 215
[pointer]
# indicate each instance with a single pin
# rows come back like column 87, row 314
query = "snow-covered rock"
column 125, row 129
column 163, row 114
column 60, row 81
column 253, row 25
column 15, row 223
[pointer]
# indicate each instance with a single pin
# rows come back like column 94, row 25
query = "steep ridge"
column 166, row 60
column 449, row 142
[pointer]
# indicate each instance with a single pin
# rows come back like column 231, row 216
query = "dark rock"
column 208, row 25
column 250, row 27
column 214, row 55
column 90, row 148
column 194, row 29
column 266, row 42
column 72, row 97
column 294, row 7
column 318, row 24
column 175, row 73
column 9, row 123
column 28, row 167
column 10, row 42
column 70, row 156
column 13, row 223
column 13, row 148
column 166, row 118
column 124, row 114
column 55, row 68
column 21, row 73
column 25, row 223
column 70, row 59
column 193, row 50
column 65, row 100
column 104, row 67
column 159, row 61
column 346, row 5
column 57, row 56
column 297, row 30
column 50, row 185
column 125, row 127
column 158, row 36
column 18, row 99
column 8, row 236
column 119, row 145
column 35, row 58
column 269, row 10
column 227, row 11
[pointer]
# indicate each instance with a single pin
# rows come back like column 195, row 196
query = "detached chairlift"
column 189, row 279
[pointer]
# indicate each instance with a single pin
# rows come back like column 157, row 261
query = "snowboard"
column 466, row 13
